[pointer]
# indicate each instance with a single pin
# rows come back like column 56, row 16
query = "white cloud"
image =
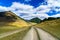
column 31, row 12
column 3, row 8
column 51, row 5
column 57, row 15
column 20, row 6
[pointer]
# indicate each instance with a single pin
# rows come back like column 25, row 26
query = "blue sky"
column 29, row 9
column 34, row 3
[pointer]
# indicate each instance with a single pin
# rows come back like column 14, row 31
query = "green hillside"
column 35, row 20
column 51, row 25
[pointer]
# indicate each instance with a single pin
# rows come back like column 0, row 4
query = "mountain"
column 50, row 18
column 51, row 25
column 11, row 19
column 35, row 20
column 7, row 16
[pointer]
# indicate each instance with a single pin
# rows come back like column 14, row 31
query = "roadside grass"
column 52, row 27
column 7, row 29
column 4, row 29
column 16, row 36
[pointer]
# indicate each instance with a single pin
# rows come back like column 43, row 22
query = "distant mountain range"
column 50, row 18
column 37, row 20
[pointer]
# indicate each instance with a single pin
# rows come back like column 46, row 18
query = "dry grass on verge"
column 53, row 27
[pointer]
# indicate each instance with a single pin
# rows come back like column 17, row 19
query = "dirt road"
column 41, row 35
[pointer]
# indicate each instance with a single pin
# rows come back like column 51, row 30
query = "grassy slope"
column 10, row 19
column 10, row 22
column 52, row 26
column 16, row 36
column 8, row 29
column 12, row 26
column 19, row 23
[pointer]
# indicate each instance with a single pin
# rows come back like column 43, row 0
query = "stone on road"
column 45, row 35
column 31, row 35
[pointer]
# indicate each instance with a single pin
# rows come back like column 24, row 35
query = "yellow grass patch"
column 19, row 23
